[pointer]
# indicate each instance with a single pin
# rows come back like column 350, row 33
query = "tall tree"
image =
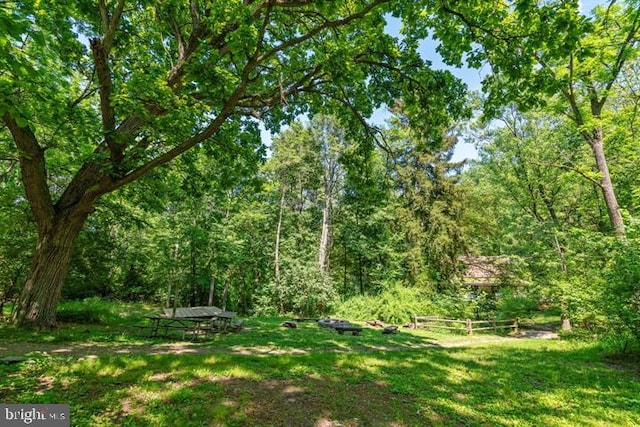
column 295, row 169
column 367, row 254
column 95, row 96
column 331, row 141
column 427, row 183
column 535, row 196
column 539, row 50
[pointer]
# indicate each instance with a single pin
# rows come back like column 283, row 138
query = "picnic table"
column 194, row 321
column 340, row 326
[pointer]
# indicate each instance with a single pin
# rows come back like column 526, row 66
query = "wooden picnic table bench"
column 341, row 329
column 341, row 326
column 194, row 321
column 220, row 318
column 162, row 325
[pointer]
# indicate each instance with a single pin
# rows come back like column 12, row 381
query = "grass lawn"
column 267, row 375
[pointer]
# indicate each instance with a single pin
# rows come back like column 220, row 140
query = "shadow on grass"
column 260, row 336
column 268, row 337
column 516, row 383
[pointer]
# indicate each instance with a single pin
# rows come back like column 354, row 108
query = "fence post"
column 469, row 327
column 515, row 324
column 494, row 324
column 415, row 321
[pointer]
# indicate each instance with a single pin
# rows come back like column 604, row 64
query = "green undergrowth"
column 400, row 304
column 269, row 375
column 263, row 334
column 90, row 320
column 514, row 383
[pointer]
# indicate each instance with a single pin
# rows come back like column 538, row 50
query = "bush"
column 622, row 302
column 620, row 343
column 96, row 311
column 396, row 305
column 302, row 290
column 456, row 305
column 399, row 304
column 511, row 305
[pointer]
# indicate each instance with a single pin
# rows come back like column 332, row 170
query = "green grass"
column 549, row 317
column 271, row 376
column 91, row 320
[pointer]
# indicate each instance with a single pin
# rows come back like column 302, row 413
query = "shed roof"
column 484, row 270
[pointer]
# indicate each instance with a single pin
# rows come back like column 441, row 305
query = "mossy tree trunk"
column 36, row 305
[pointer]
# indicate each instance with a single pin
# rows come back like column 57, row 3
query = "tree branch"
column 110, row 23
column 132, row 124
column 274, row 98
column 324, row 26
column 213, row 127
column 108, row 113
column 570, row 168
column 621, row 57
column 34, row 174
column 372, row 131
column 475, row 27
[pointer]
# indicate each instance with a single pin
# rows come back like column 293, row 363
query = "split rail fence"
column 469, row 326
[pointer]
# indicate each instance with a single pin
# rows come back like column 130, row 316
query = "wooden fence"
column 467, row 325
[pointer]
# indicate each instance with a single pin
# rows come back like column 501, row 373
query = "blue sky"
column 472, row 77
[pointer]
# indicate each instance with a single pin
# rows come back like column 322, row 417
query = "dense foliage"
column 418, row 377
column 139, row 167
column 95, row 97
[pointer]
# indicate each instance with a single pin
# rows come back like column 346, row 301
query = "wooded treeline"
column 151, row 154
column 323, row 218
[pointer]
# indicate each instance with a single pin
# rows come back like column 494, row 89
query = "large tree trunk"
column 58, row 226
column 323, row 249
column 615, row 217
column 331, row 172
column 276, row 255
column 41, row 293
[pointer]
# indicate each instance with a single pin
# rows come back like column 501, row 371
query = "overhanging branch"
column 34, row 173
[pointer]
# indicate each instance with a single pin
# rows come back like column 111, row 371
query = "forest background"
column 369, row 221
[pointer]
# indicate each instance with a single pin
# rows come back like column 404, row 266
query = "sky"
column 472, row 78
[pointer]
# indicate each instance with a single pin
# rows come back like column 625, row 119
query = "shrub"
column 622, row 287
column 511, row 305
column 395, row 305
column 454, row 304
column 88, row 311
column 96, row 311
column 303, row 290
column 398, row 305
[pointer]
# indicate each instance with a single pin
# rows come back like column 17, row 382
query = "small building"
column 486, row 273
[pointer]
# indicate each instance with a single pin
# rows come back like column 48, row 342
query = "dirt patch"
column 538, row 334
column 45, row 384
column 87, row 350
column 625, row 362
column 99, row 349
column 319, row 403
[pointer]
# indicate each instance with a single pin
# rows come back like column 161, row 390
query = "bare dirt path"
column 185, row 348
